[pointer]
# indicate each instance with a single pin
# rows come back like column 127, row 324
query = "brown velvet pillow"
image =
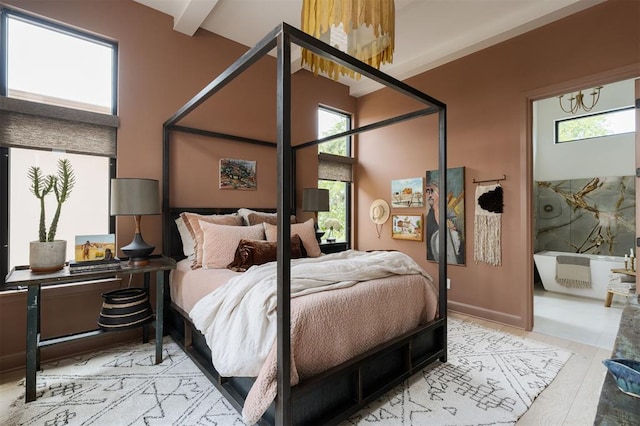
column 257, row 252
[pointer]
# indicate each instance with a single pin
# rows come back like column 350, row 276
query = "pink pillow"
column 221, row 242
column 192, row 222
column 305, row 230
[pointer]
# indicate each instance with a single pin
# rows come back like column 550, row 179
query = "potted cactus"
column 48, row 254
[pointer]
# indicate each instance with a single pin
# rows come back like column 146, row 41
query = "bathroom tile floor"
column 576, row 318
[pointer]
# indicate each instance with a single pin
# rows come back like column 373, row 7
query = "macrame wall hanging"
column 488, row 224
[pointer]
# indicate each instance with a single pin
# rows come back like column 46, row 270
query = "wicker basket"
column 125, row 309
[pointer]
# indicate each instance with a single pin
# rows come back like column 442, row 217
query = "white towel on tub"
column 573, row 271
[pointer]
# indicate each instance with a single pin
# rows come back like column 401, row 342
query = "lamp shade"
column 133, row 196
column 315, row 200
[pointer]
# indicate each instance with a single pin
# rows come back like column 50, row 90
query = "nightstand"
column 328, row 248
column 21, row 276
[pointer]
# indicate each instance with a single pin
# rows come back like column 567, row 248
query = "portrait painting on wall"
column 407, row 227
column 238, row 174
column 95, row 247
column 407, row 192
column 455, row 250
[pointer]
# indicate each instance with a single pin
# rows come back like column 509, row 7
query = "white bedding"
column 242, row 313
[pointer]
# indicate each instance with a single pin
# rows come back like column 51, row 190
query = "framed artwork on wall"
column 455, row 215
column 407, row 193
column 238, row 174
column 407, row 227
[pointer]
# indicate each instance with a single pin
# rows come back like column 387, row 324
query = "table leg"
column 33, row 330
column 159, row 314
column 607, row 302
column 145, row 328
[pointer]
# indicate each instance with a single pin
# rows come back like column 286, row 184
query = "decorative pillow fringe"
column 488, row 225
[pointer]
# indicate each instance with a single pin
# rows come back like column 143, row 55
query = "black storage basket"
column 125, row 309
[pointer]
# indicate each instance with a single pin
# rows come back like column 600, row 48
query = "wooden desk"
column 611, row 292
column 22, row 276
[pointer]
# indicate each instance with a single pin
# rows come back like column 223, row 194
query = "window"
column 335, row 173
column 591, row 126
column 57, row 100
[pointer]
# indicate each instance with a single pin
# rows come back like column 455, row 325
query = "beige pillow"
column 252, row 217
column 305, row 230
column 192, row 222
column 221, row 241
column 188, row 245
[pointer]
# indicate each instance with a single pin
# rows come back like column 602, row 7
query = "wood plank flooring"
column 570, row 400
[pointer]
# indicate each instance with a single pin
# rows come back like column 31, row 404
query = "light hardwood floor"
column 571, row 399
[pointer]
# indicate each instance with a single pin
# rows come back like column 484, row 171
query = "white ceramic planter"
column 48, row 256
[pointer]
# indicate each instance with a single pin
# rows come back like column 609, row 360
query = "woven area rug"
column 491, row 378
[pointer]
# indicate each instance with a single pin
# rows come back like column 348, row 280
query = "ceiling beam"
column 193, row 15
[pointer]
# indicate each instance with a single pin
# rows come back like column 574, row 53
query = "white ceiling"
column 429, row 33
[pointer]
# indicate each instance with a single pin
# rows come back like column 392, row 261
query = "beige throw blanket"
column 327, row 327
column 573, row 271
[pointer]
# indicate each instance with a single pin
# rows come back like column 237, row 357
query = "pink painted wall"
column 159, row 71
column 488, row 96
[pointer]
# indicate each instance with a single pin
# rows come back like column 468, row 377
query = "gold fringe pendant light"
column 364, row 29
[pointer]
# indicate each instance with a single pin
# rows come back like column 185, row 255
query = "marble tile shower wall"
column 594, row 215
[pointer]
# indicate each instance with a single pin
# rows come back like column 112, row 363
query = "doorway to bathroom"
column 584, row 209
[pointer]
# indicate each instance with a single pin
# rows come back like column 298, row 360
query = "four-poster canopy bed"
column 340, row 391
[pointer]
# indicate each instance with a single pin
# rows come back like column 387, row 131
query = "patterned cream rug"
column 491, row 378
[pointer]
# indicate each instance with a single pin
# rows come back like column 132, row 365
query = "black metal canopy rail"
column 281, row 38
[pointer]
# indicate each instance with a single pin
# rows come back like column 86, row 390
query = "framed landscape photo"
column 407, row 193
column 238, row 174
column 407, row 227
column 95, row 248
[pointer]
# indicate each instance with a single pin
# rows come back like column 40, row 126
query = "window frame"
column 348, row 185
column 558, row 122
column 5, row 14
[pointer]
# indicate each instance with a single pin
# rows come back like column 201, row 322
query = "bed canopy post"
column 442, row 225
column 283, row 113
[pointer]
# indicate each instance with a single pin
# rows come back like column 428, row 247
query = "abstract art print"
column 407, row 227
column 455, row 215
column 238, row 174
column 407, row 193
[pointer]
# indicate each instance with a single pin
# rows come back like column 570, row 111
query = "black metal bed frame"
column 334, row 395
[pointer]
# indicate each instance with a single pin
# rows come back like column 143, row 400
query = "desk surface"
column 615, row 407
column 22, row 275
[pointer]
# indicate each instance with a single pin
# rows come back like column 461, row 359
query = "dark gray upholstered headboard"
column 175, row 243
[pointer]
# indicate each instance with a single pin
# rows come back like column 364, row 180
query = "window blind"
column 335, row 167
column 26, row 124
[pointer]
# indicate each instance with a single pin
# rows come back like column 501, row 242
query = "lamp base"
column 138, row 251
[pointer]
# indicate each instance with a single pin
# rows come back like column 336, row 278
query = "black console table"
column 616, row 407
column 21, row 276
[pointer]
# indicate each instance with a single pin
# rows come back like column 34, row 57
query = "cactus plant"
column 61, row 185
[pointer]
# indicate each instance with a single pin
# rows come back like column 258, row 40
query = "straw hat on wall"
column 379, row 212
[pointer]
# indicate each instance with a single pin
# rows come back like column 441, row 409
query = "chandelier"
column 577, row 101
column 364, row 29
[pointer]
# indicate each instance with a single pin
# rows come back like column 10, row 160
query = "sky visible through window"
column 50, row 63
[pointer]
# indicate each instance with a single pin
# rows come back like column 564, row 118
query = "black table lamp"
column 135, row 197
column 316, row 200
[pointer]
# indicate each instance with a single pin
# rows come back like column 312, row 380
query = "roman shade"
column 335, row 167
column 26, row 124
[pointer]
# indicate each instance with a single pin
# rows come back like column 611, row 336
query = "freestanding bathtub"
column 600, row 272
